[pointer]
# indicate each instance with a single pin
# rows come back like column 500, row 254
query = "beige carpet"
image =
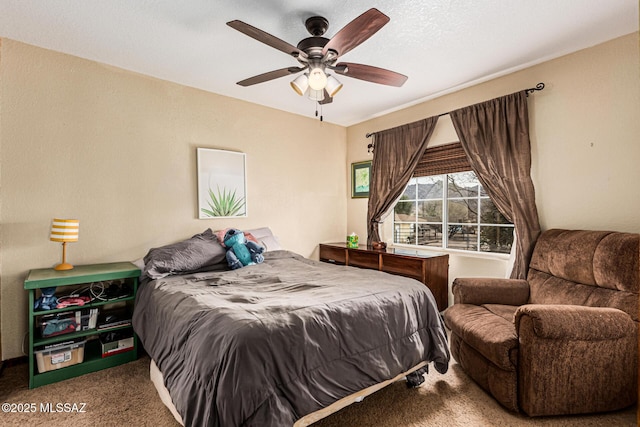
column 124, row 395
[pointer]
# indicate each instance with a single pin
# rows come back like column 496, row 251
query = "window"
column 457, row 204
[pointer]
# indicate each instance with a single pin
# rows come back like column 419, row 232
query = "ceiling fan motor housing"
column 312, row 46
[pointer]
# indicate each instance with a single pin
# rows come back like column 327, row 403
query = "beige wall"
column 584, row 133
column 117, row 150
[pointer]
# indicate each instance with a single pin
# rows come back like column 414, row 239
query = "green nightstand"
column 91, row 351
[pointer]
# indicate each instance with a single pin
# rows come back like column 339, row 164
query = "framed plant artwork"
column 222, row 184
column 360, row 179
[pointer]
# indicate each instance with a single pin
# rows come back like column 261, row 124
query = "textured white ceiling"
column 440, row 44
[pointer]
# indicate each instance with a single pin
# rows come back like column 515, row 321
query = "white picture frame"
column 222, row 184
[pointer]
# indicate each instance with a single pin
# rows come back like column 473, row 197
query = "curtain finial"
column 539, row 86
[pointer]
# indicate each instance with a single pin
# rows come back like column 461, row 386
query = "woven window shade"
column 449, row 158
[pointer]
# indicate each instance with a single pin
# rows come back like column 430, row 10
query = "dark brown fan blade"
column 261, row 78
column 327, row 99
column 371, row 74
column 356, row 31
column 266, row 38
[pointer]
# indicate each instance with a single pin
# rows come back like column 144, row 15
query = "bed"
column 284, row 342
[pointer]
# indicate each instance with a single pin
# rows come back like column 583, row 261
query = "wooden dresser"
column 430, row 269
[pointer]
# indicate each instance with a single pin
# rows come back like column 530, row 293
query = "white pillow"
column 265, row 237
column 139, row 263
column 270, row 243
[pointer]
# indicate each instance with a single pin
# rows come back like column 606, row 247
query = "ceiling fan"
column 318, row 55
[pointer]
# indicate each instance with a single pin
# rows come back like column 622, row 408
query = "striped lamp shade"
column 64, row 230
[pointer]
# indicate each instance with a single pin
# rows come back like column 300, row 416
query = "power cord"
column 99, row 293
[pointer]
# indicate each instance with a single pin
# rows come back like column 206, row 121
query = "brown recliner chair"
column 564, row 341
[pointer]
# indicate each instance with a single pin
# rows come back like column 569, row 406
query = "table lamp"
column 64, row 230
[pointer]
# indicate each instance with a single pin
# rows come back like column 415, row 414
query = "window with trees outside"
column 450, row 211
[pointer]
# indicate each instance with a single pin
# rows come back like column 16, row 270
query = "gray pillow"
column 201, row 252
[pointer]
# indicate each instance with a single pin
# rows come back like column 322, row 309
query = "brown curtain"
column 395, row 156
column 495, row 136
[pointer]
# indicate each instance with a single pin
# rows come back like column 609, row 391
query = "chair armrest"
column 485, row 290
column 576, row 322
column 575, row 359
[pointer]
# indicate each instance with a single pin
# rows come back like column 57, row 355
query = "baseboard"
column 13, row 362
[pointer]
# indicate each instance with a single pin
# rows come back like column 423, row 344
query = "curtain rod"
column 539, row 86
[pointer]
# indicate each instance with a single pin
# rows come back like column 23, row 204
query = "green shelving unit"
column 80, row 275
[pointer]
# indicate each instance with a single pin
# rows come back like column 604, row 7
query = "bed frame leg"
column 416, row 378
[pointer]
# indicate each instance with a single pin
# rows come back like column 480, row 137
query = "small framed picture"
column 222, row 184
column 360, row 179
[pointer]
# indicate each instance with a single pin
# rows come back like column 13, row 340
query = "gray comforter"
column 267, row 344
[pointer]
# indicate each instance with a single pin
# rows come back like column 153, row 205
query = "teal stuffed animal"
column 240, row 251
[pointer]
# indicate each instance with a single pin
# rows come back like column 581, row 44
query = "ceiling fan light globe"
column 316, row 95
column 317, row 79
column 300, row 84
column 333, row 86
